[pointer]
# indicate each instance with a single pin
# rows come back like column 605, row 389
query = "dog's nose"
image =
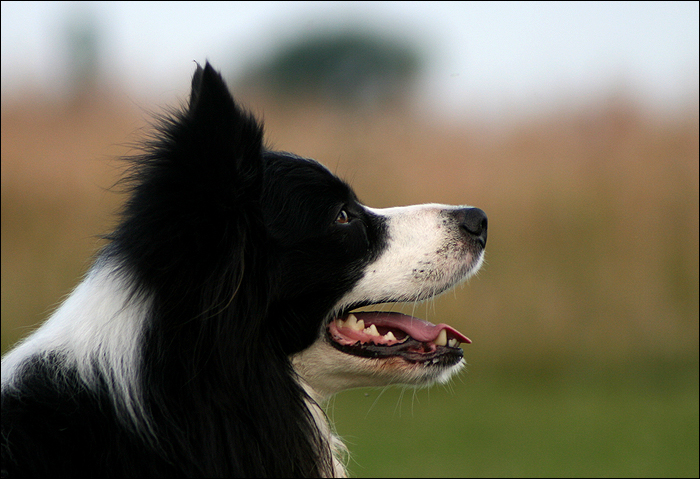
column 474, row 222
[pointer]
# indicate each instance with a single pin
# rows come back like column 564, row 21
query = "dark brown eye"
column 342, row 218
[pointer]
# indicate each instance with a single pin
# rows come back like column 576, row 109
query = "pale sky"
column 484, row 57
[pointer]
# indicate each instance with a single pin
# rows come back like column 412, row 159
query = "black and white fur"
column 198, row 343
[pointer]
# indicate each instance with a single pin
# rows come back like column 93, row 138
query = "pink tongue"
column 416, row 328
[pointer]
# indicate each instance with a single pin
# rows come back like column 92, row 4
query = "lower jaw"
column 411, row 351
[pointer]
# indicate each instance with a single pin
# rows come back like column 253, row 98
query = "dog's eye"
column 342, row 218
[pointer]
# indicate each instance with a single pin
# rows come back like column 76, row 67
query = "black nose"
column 475, row 223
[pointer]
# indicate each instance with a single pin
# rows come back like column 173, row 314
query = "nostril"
column 475, row 223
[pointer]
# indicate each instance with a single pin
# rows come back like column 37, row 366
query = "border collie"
column 218, row 316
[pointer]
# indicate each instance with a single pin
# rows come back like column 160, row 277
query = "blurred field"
column 584, row 319
column 581, row 420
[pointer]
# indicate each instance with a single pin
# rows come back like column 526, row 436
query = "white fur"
column 97, row 330
column 328, row 371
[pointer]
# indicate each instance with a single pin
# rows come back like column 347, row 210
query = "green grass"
column 640, row 420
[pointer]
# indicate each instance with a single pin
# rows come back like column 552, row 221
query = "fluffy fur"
column 216, row 319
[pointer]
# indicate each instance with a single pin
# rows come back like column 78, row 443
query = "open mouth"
column 383, row 335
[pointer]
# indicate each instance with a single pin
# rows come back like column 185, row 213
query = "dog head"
column 286, row 251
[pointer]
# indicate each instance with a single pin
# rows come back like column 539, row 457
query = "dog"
column 221, row 313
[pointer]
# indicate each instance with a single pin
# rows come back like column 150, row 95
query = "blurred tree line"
column 351, row 69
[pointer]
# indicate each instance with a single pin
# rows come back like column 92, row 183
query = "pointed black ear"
column 208, row 89
column 196, row 190
column 216, row 121
column 212, row 149
column 216, row 145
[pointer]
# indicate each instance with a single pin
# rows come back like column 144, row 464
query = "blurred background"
column 573, row 125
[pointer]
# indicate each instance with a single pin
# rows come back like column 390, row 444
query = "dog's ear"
column 209, row 91
column 196, row 190
column 224, row 137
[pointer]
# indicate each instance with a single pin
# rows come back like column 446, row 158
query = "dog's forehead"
column 292, row 161
column 283, row 168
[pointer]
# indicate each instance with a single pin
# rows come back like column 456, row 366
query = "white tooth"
column 372, row 330
column 351, row 323
column 339, row 323
column 360, row 325
column 453, row 343
column 441, row 340
column 390, row 336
